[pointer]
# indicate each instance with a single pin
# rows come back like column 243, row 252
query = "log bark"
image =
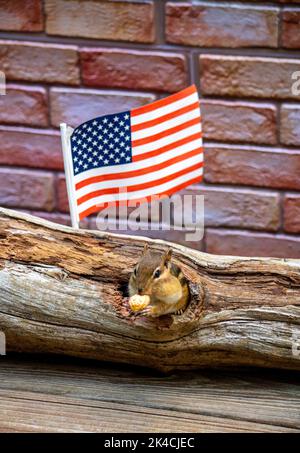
column 62, row 291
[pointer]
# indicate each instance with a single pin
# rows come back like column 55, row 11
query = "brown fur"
column 169, row 293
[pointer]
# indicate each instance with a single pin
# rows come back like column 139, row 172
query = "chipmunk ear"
column 167, row 257
column 145, row 249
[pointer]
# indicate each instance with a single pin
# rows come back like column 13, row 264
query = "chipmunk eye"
column 157, row 273
column 134, row 271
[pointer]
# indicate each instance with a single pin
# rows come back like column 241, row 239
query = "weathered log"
column 62, row 292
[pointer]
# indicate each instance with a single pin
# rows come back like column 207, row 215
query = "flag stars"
column 102, row 142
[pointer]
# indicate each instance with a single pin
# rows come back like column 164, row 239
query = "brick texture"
column 162, row 232
column 21, row 15
column 290, row 124
column 239, row 122
column 243, row 243
column 238, row 208
column 62, row 196
column 66, row 104
column 224, row 25
column 26, row 189
column 24, row 105
column 117, row 21
column 117, row 68
column 291, row 28
column 72, row 60
column 30, row 148
column 292, row 213
column 53, row 63
column 256, row 77
column 253, row 166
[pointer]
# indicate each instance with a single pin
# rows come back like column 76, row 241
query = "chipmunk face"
column 152, row 277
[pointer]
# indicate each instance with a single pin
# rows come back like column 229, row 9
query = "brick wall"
column 74, row 59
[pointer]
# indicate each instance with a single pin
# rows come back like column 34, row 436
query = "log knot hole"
column 192, row 312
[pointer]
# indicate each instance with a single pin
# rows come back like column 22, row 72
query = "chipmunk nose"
column 140, row 291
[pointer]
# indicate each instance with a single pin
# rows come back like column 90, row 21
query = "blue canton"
column 102, row 142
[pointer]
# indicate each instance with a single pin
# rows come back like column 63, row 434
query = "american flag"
column 130, row 156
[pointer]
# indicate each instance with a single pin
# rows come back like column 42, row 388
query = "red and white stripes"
column 167, row 155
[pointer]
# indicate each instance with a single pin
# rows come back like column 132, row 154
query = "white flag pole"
column 66, row 148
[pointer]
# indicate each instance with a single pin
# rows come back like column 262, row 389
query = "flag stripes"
column 167, row 155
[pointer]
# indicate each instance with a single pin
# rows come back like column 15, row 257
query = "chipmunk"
column 163, row 281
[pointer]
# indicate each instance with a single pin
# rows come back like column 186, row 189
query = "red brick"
column 291, row 28
column 116, row 21
column 239, row 121
column 243, row 243
column 134, row 69
column 39, row 62
column 235, row 207
column 79, row 105
column 257, row 77
column 21, row 15
column 254, row 166
column 57, row 217
column 34, row 148
column 291, row 213
column 164, row 232
column 62, row 196
column 26, row 189
column 24, row 105
column 221, row 25
column 290, row 124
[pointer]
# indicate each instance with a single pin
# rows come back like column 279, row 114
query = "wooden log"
column 62, row 292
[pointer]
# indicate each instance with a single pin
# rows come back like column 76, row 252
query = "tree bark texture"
column 63, row 291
